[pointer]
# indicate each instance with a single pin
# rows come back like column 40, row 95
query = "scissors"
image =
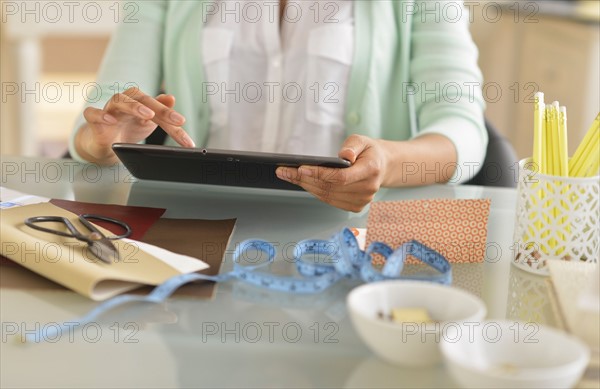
column 99, row 244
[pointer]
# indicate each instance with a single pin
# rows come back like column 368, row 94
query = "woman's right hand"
column 128, row 117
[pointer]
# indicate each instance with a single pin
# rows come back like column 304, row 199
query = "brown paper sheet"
column 204, row 239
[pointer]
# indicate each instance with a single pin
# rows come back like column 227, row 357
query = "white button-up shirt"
column 278, row 87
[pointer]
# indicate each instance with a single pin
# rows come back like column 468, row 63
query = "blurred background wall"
column 525, row 46
column 549, row 46
column 51, row 51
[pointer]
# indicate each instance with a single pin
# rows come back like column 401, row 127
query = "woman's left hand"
column 350, row 188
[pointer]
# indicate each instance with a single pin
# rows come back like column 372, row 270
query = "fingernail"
column 109, row 119
column 146, row 111
column 280, row 174
column 190, row 142
column 350, row 150
column 177, row 118
column 305, row 172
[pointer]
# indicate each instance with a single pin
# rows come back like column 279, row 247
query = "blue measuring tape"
column 346, row 261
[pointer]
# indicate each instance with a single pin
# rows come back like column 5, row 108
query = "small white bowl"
column 410, row 344
column 509, row 354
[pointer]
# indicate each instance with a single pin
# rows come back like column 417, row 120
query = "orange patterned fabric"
column 455, row 228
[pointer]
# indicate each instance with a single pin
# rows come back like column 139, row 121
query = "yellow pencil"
column 538, row 128
column 589, row 166
column 577, row 161
column 545, row 140
column 546, row 168
column 554, row 108
column 563, row 142
column 539, row 165
column 553, row 163
column 549, row 140
column 588, row 151
column 563, row 161
column 594, row 164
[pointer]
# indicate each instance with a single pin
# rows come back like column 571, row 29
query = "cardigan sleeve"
column 133, row 58
column 447, row 82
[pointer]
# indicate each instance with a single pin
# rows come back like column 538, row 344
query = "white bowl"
column 509, row 354
column 409, row 344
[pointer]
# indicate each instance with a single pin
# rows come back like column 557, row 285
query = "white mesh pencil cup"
column 558, row 218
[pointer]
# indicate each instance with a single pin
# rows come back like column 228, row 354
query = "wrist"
column 424, row 160
column 392, row 154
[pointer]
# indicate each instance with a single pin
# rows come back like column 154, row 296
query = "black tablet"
column 214, row 167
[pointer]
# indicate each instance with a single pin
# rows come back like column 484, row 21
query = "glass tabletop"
column 245, row 336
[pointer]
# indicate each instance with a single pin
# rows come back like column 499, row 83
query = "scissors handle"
column 100, row 245
column 85, row 218
column 34, row 222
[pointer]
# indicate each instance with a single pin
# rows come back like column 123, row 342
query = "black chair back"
column 500, row 165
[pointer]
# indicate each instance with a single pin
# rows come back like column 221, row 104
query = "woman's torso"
column 276, row 81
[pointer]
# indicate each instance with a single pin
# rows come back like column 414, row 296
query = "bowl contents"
column 407, row 315
column 505, row 368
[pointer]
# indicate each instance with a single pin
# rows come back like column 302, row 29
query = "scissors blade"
column 104, row 250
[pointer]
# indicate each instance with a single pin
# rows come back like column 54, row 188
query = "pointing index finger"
column 169, row 119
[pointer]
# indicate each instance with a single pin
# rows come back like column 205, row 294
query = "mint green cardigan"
column 413, row 73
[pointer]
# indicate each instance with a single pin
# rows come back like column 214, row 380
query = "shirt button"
column 353, row 118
